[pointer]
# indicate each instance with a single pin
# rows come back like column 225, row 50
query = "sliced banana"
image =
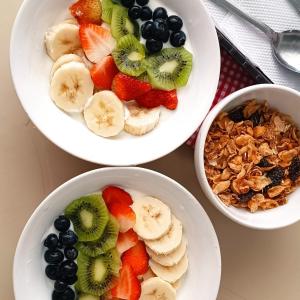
column 170, row 274
column 80, row 53
column 168, row 242
column 64, row 60
column 177, row 284
column 71, row 21
column 71, row 87
column 172, row 258
column 153, row 218
column 147, row 275
column 157, row 289
column 104, row 114
column 141, row 120
column 62, row 39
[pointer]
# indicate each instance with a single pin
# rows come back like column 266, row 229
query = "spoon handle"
column 260, row 25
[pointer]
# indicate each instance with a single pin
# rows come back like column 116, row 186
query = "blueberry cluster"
column 60, row 256
column 158, row 27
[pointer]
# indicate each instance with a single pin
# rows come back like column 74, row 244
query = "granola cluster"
column 252, row 156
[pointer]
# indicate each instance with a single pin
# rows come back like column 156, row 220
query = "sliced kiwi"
column 170, row 68
column 129, row 55
column 114, row 259
column 89, row 216
column 95, row 276
column 144, row 77
column 106, row 242
column 107, row 8
column 121, row 24
column 83, row 296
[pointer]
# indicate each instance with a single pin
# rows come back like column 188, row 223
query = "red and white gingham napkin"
column 232, row 78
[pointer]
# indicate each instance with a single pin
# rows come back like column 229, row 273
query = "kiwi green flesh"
column 83, row 296
column 89, row 216
column 129, row 55
column 170, row 68
column 106, row 242
column 94, row 275
column 107, row 8
column 114, row 259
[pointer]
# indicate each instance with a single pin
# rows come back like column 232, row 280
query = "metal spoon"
column 285, row 45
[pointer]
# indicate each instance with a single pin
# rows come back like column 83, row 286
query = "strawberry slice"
column 87, row 11
column 112, row 194
column 129, row 88
column 128, row 286
column 156, row 98
column 137, row 257
column 103, row 73
column 124, row 214
column 96, row 41
column 126, row 240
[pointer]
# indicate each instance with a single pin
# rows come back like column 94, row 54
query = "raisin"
column 276, row 175
column 247, row 196
column 256, row 118
column 236, row 115
column 264, row 163
column 294, row 169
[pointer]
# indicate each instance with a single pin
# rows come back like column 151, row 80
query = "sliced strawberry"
column 96, row 41
column 124, row 214
column 137, row 257
column 87, row 11
column 156, row 98
column 104, row 72
column 112, row 194
column 129, row 88
column 126, row 240
column 128, row 286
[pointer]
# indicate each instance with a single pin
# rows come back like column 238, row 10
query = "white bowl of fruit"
column 96, row 76
column 130, row 233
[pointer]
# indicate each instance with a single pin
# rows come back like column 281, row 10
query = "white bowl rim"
column 109, row 169
column 150, row 158
column 199, row 149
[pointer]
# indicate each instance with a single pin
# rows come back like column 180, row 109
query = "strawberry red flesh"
column 87, row 11
column 112, row 194
column 126, row 240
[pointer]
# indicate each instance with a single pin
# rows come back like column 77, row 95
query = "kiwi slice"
column 170, row 68
column 107, row 8
column 94, row 275
column 89, row 216
column 106, row 242
column 114, row 259
column 121, row 24
column 83, row 296
column 129, row 55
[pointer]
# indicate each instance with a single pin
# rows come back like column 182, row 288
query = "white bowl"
column 203, row 276
column 284, row 99
column 30, row 67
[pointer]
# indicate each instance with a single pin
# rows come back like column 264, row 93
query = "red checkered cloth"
column 232, row 78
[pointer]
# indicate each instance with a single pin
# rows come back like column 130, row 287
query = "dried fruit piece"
column 246, row 197
column 264, row 163
column 236, row 115
column 276, row 175
column 294, row 169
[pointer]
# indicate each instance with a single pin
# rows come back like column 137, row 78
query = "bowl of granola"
column 247, row 156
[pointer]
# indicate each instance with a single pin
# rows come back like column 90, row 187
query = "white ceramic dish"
column 30, row 67
column 203, row 276
column 284, row 99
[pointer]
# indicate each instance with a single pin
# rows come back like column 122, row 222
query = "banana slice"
column 71, row 21
column 170, row 241
column 62, row 39
column 64, row 60
column 170, row 274
column 153, row 218
column 157, row 289
column 177, row 284
column 71, row 87
column 141, row 120
column 147, row 275
column 172, row 258
column 104, row 114
column 80, row 53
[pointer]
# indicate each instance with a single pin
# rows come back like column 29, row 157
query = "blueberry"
column 68, row 294
column 160, row 13
column 60, row 286
column 142, row 2
column 53, row 256
column 178, row 39
column 276, row 175
column 147, row 30
column 153, row 45
column 51, row 241
column 134, row 12
column 236, row 115
column 62, row 224
column 71, row 253
column 146, row 13
column 127, row 3
column 175, row 23
column 69, row 280
column 160, row 30
column 294, row 169
column 68, row 268
column 68, row 238
column 52, row 271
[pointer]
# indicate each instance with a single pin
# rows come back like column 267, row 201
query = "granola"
column 252, row 155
